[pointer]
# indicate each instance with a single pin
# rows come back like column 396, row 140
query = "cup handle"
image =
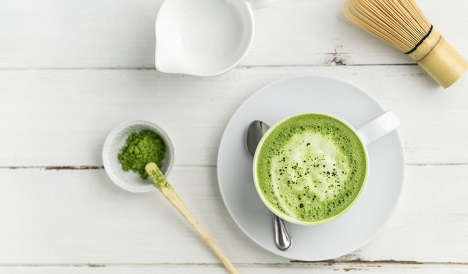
column 379, row 127
column 258, row 4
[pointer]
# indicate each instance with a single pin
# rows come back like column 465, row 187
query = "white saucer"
column 360, row 223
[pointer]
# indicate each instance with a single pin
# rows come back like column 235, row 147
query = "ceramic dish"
column 204, row 37
column 132, row 181
column 355, row 227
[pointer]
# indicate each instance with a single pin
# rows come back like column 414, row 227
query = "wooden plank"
column 78, row 217
column 321, row 268
column 62, row 117
column 119, row 34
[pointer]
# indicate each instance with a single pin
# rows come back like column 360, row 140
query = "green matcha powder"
column 140, row 149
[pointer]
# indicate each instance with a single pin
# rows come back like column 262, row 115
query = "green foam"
column 311, row 167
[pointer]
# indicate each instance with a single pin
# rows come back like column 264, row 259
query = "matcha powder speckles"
column 140, row 149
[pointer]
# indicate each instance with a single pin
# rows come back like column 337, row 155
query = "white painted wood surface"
column 72, row 70
column 120, row 33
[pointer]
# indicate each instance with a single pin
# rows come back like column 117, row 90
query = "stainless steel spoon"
column 254, row 133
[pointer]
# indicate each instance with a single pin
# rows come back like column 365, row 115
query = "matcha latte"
column 309, row 168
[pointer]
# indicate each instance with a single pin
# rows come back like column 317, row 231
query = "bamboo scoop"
column 160, row 181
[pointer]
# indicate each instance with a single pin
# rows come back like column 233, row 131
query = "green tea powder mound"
column 140, row 149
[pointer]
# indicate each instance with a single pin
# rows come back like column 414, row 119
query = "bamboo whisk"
column 402, row 24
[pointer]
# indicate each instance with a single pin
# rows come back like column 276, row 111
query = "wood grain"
column 62, row 117
column 319, row 268
column 120, row 34
column 93, row 221
column 70, row 71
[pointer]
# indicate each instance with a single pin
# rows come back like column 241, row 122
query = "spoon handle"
column 282, row 238
column 166, row 189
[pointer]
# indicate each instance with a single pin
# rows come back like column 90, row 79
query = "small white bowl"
column 131, row 181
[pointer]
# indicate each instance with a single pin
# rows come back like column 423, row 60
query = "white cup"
column 367, row 134
column 204, row 37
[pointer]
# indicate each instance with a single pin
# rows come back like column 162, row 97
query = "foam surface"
column 311, row 167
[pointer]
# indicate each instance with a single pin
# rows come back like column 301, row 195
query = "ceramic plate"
column 363, row 220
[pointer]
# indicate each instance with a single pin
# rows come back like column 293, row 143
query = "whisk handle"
column 443, row 63
column 439, row 59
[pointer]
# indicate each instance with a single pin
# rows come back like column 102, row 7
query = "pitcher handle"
column 379, row 127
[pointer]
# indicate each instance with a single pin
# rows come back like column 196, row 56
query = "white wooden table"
column 70, row 71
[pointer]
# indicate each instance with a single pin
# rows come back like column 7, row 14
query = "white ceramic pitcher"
column 204, row 37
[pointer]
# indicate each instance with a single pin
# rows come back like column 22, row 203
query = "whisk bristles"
column 398, row 22
column 402, row 24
